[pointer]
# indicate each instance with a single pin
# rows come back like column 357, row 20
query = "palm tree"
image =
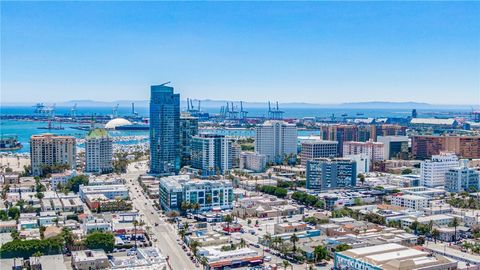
column 182, row 233
column 294, row 240
column 185, row 206
column 435, row 234
column 286, row 264
column 278, row 241
column 194, row 246
column 195, row 207
column 414, row 226
column 135, row 224
column 455, row 223
column 242, row 243
column 267, row 238
column 203, row 261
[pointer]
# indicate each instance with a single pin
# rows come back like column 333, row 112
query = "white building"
column 276, row 139
column 312, row 149
column 253, row 161
column 432, row 172
column 440, row 220
column 98, row 152
column 363, row 162
column 374, row 150
column 410, row 201
column 212, row 154
column 462, row 178
column 110, row 191
column 61, row 178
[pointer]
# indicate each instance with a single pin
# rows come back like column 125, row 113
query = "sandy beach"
column 16, row 163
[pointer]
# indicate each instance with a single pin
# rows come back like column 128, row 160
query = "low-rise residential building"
column 232, row 258
column 110, row 191
column 410, row 201
column 291, row 227
column 209, row 238
column 437, row 220
column 391, row 257
column 424, row 191
column 89, row 259
column 8, row 226
column 61, row 178
column 144, row 258
column 92, row 225
column 265, row 206
column 47, row 262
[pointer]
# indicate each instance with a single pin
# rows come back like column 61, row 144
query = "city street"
column 164, row 232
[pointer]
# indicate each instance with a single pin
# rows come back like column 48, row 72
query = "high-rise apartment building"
column 395, row 147
column 212, row 154
column 311, row 149
column 374, row 150
column 253, row 161
column 432, row 172
column 276, row 140
column 462, row 179
column 164, row 130
column 98, row 152
column 339, row 133
column 49, row 150
column 325, row 174
column 424, row 146
column 188, row 129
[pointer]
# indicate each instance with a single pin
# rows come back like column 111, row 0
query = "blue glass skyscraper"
column 164, row 130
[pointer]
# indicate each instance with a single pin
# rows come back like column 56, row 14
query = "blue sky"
column 317, row 52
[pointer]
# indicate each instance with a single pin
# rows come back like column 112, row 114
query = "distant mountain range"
column 209, row 103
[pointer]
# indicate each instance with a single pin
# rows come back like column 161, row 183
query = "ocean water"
column 253, row 112
column 25, row 129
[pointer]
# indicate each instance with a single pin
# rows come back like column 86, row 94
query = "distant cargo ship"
column 51, row 126
column 9, row 143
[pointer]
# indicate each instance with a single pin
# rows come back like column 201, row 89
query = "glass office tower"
column 164, row 130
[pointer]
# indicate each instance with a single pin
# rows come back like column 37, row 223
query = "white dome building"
column 117, row 122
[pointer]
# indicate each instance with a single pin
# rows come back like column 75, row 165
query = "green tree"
column 435, row 234
column 14, row 212
column 3, row 215
column 320, row 253
column 361, row 178
column 75, row 182
column 414, row 226
column 228, row 219
column 286, row 264
column 100, row 240
column 39, row 195
column 342, row 247
column 455, row 223
column 294, row 240
column 15, row 235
